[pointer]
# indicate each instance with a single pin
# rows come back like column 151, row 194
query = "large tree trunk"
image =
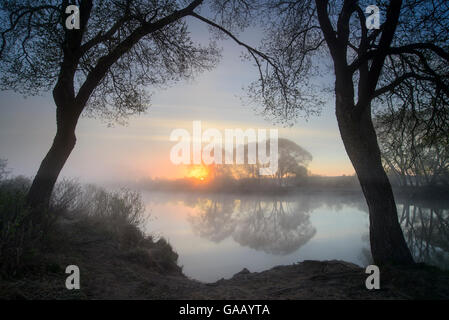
column 39, row 195
column 388, row 245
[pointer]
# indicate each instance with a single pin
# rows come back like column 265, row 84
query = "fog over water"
column 217, row 235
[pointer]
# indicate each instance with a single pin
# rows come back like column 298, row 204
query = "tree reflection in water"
column 281, row 225
column 426, row 229
column 275, row 226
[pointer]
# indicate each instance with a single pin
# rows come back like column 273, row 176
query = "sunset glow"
column 199, row 172
column 206, row 150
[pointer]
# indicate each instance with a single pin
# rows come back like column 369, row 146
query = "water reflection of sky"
column 217, row 235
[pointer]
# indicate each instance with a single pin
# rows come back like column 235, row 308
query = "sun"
column 198, row 172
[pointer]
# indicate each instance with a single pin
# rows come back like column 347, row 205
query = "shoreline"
column 110, row 271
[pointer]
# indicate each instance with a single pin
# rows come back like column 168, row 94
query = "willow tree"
column 104, row 67
column 410, row 48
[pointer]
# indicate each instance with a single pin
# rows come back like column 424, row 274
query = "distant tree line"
column 293, row 161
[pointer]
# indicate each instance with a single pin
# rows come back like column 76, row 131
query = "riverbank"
column 100, row 232
column 341, row 185
column 111, row 270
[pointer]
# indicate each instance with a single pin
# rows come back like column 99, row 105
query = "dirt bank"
column 111, row 271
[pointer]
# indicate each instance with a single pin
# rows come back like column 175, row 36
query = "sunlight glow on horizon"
column 203, row 173
column 199, row 172
column 141, row 149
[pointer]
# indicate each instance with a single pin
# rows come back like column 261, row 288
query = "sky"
column 141, row 148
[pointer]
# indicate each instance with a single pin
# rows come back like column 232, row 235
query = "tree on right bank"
column 410, row 49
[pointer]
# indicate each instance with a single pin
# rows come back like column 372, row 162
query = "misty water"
column 218, row 235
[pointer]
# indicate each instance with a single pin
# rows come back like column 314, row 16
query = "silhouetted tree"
column 104, row 67
column 292, row 163
column 409, row 48
column 293, row 160
column 395, row 143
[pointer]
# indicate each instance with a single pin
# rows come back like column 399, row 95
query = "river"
column 217, row 235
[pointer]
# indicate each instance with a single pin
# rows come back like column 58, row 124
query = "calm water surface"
column 218, row 235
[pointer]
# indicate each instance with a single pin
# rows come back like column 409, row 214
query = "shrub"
column 119, row 213
column 116, row 216
column 18, row 236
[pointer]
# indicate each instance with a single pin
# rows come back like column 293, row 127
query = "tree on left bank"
column 104, row 68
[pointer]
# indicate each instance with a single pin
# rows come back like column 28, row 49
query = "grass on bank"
column 84, row 225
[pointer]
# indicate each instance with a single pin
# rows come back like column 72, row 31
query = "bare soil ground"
column 110, row 271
